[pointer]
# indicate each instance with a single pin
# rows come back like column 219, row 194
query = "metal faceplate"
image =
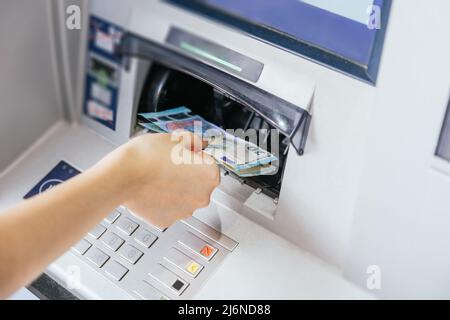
column 154, row 264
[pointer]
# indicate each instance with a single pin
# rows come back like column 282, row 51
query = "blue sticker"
column 62, row 172
column 103, row 72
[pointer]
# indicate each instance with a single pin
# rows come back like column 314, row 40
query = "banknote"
column 172, row 114
column 195, row 124
column 263, row 170
column 151, row 127
column 238, row 153
column 241, row 157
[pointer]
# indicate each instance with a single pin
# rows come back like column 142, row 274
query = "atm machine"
column 284, row 236
column 146, row 56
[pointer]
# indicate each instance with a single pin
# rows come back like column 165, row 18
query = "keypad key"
column 198, row 246
column 115, row 270
column 126, row 225
column 113, row 216
column 112, row 241
column 125, row 211
column 130, row 253
column 97, row 231
column 82, row 246
column 183, row 262
column 145, row 238
column 97, row 257
column 169, row 279
column 148, row 292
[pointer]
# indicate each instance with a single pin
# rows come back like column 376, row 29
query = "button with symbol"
column 207, row 251
column 183, row 262
column 169, row 279
column 49, row 184
column 126, row 225
column 197, row 245
column 145, row 238
column 193, row 267
column 97, row 256
column 112, row 241
column 130, row 253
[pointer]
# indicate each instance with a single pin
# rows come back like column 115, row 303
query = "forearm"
column 140, row 174
column 41, row 229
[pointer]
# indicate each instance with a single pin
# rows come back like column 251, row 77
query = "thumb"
column 192, row 142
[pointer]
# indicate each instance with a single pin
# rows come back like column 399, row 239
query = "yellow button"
column 192, row 267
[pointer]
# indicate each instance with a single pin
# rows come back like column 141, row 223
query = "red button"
column 207, row 251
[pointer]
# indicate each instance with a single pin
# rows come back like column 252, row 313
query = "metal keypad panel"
column 151, row 263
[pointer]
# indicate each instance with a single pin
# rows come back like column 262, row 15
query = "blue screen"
column 341, row 29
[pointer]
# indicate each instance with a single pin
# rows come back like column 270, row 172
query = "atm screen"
column 289, row 16
column 346, row 35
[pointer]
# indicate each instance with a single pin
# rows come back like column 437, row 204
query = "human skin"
column 140, row 175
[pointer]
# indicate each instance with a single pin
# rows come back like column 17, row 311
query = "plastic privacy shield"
column 293, row 121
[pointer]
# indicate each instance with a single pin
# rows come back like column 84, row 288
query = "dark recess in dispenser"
column 166, row 88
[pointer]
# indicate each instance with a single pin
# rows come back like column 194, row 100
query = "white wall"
column 402, row 215
column 70, row 42
column 29, row 102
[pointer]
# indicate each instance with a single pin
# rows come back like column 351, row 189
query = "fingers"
column 208, row 160
column 204, row 144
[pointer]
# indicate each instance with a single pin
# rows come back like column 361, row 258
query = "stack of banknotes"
column 241, row 157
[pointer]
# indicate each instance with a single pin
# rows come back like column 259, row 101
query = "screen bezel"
column 366, row 72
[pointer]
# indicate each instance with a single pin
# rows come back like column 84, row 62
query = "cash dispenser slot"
column 175, row 79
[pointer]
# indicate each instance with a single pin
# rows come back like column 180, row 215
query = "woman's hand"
column 148, row 174
column 163, row 177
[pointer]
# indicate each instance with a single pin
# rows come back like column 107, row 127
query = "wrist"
column 120, row 173
column 108, row 175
